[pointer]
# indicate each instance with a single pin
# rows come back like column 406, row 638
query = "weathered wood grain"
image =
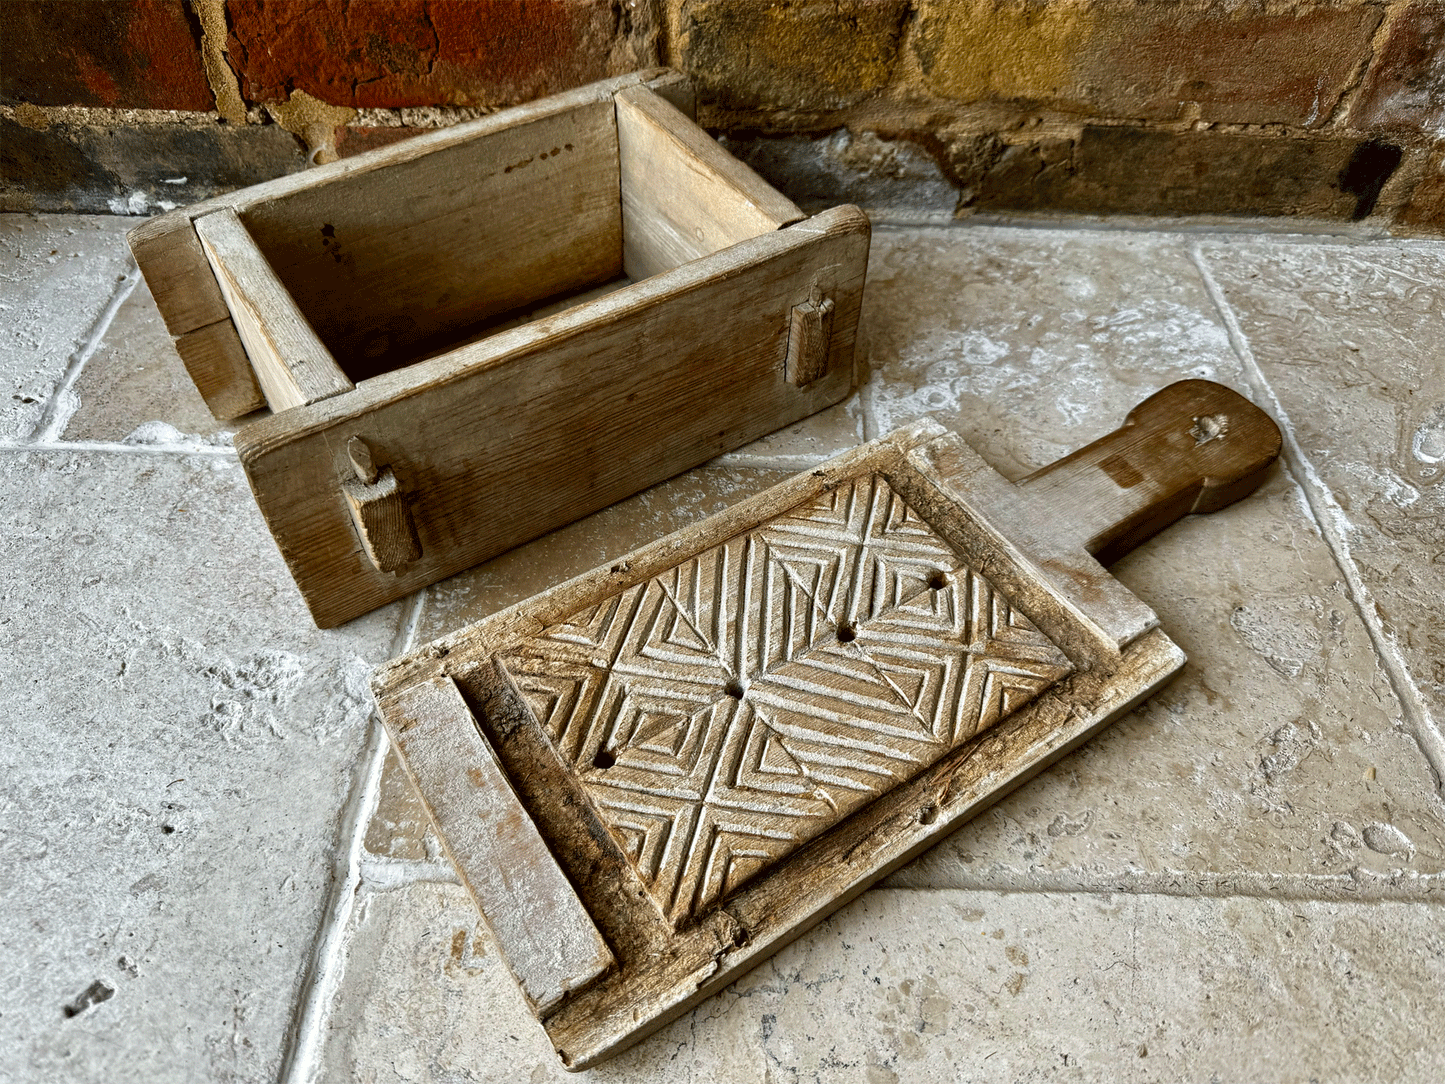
column 217, row 363
column 808, row 341
column 1193, row 447
column 545, row 935
column 291, row 364
column 683, row 196
column 382, row 519
column 392, row 264
column 729, row 733
column 532, row 428
column 176, row 269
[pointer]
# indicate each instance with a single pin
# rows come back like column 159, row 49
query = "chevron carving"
column 727, row 711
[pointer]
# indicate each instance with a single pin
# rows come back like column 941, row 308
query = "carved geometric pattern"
column 727, row 711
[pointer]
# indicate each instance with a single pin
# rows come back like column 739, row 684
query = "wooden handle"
column 1196, row 446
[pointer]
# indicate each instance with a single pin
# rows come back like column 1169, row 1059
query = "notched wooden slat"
column 544, row 933
column 290, row 362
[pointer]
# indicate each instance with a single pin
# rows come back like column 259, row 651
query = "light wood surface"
column 535, row 427
column 683, row 196
column 544, row 933
column 292, row 365
column 169, row 253
column 393, row 264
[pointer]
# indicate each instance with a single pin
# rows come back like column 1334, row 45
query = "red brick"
column 1404, row 90
column 136, row 54
column 354, row 141
column 1132, row 59
column 798, row 55
column 424, row 52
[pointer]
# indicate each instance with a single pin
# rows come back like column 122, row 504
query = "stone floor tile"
column 57, row 275
column 135, row 388
column 1278, row 754
column 180, row 743
column 1031, row 343
column 1349, row 337
column 942, row 986
column 1281, row 751
column 812, row 440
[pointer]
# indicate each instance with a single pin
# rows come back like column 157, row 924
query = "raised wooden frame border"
column 659, row 973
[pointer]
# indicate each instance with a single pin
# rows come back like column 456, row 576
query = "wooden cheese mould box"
column 483, row 333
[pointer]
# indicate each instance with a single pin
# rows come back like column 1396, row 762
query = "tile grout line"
column 1295, row 233
column 328, row 958
column 116, row 447
column 1334, row 528
column 60, row 407
column 1352, row 886
column 1355, row 886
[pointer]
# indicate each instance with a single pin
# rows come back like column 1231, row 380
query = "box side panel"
column 393, row 264
column 683, row 196
column 540, row 426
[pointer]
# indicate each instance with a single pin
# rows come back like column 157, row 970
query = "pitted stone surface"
column 943, row 986
column 1031, row 343
column 135, row 389
column 1349, row 338
column 57, row 275
column 180, row 742
column 184, row 744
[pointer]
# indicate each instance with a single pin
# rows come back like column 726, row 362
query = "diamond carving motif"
column 727, row 711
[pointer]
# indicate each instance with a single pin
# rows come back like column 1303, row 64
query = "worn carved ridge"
column 724, row 713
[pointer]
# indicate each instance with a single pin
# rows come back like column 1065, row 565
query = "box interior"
column 393, row 265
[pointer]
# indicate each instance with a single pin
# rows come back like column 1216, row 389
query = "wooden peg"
column 379, row 510
column 808, row 341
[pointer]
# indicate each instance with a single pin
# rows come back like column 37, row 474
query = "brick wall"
column 1329, row 109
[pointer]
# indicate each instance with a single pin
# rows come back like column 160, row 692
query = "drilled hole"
column 937, row 581
column 734, row 689
column 603, row 759
column 847, row 634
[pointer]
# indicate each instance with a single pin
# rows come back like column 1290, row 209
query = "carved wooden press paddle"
column 654, row 776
